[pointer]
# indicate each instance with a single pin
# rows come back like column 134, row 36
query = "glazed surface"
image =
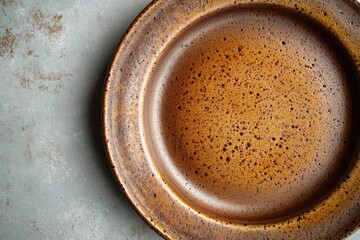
column 254, row 111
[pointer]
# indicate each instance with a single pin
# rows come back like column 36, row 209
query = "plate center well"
column 248, row 114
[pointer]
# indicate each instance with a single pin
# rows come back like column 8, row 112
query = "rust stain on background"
column 51, row 25
column 43, row 87
column 52, row 76
column 34, row 77
column 7, row 42
column 35, row 22
column 25, row 82
column 6, row 2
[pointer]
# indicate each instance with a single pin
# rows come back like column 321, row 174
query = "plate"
column 239, row 119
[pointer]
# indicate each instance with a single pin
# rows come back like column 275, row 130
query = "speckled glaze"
column 239, row 119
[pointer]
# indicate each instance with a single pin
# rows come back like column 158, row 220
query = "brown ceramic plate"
column 232, row 119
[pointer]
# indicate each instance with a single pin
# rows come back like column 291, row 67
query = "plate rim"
column 107, row 133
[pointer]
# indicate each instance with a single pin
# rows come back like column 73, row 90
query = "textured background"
column 54, row 178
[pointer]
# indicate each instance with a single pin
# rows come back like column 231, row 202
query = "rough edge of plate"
column 155, row 216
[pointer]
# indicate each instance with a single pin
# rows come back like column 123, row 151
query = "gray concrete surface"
column 54, row 178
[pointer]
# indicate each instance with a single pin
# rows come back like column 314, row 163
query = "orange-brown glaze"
column 255, row 114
